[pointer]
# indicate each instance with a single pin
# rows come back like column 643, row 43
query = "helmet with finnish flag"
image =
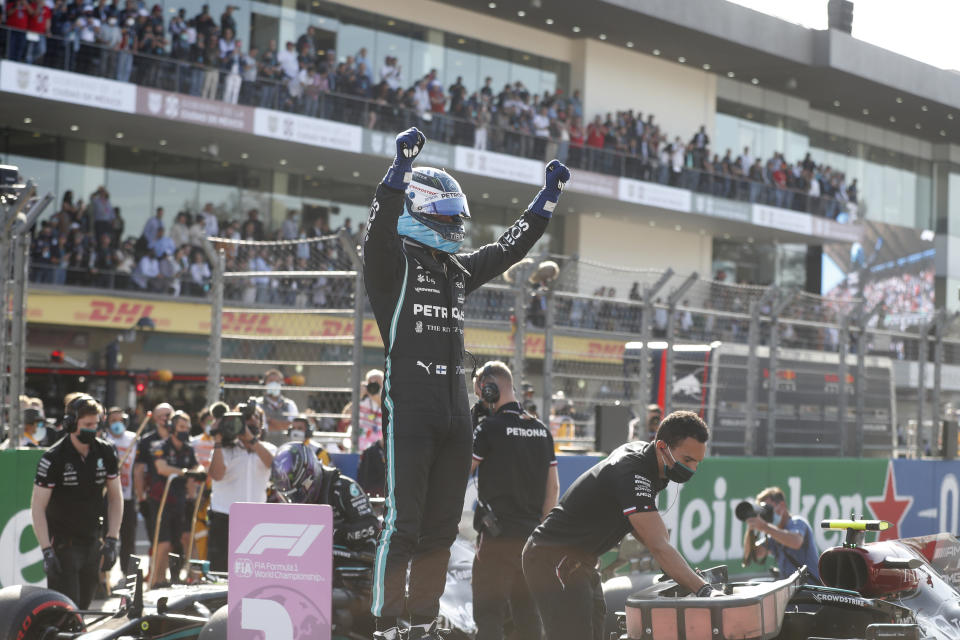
column 434, row 210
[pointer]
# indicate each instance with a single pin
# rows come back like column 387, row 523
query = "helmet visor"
column 449, row 203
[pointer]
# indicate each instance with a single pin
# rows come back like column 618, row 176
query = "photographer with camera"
column 240, row 471
column 790, row 540
column 517, row 487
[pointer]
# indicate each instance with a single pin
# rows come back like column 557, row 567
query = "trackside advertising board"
column 281, row 571
column 21, row 561
column 918, row 497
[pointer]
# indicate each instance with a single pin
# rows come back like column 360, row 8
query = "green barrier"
column 700, row 513
column 21, row 561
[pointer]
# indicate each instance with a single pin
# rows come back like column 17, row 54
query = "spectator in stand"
column 390, row 73
column 39, row 28
column 18, row 20
column 204, row 22
column 147, row 274
column 180, row 231
column 104, row 262
column 211, row 59
column 370, row 410
column 288, row 62
column 199, row 274
column 290, row 230
column 227, row 22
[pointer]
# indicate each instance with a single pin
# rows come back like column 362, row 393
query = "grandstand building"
column 719, row 141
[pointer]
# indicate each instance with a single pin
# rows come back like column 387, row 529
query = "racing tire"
column 216, row 626
column 26, row 612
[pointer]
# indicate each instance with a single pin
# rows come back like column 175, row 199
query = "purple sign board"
column 281, row 571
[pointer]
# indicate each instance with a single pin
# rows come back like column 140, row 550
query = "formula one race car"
column 895, row 589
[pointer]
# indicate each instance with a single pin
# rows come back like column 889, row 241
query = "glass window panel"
column 173, row 194
column 39, row 169
column 131, row 192
column 351, row 38
column 871, row 190
column 908, row 199
column 424, row 57
column 522, row 71
column 463, row 64
column 924, row 202
column 548, row 81
column 891, row 194
column 497, row 69
column 83, row 180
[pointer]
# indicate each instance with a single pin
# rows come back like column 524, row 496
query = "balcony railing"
column 184, row 77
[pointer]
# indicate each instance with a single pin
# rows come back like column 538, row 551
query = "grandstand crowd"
column 199, row 55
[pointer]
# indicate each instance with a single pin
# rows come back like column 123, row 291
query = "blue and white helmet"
column 434, row 211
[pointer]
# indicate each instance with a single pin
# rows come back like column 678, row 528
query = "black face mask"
column 373, row 388
column 183, row 436
column 254, row 430
column 86, row 436
column 679, row 472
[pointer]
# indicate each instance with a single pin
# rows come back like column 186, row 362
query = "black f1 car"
column 896, row 589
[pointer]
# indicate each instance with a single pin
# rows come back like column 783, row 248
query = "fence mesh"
column 290, row 306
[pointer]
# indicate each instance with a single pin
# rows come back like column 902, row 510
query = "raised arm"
column 491, row 260
column 381, row 244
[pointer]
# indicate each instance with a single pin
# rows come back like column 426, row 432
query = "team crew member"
column 518, row 487
column 34, row 431
column 299, row 477
column 240, row 470
column 125, row 442
column 174, row 458
column 790, row 540
column 615, row 497
column 143, row 469
column 68, row 504
column 417, row 282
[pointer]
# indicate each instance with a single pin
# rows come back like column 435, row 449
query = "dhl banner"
column 115, row 312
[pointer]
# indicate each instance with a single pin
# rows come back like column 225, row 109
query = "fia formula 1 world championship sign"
column 281, row 571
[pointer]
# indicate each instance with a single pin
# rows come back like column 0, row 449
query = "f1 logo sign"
column 297, row 538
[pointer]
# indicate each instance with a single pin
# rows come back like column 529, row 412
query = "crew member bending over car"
column 615, row 497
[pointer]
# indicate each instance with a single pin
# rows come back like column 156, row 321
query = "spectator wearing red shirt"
column 780, row 183
column 38, row 23
column 596, row 135
column 18, row 19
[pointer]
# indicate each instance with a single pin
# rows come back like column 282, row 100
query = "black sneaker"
column 389, row 634
column 427, row 632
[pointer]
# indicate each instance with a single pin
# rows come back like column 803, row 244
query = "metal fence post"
column 520, row 317
column 20, row 245
column 844, row 350
column 753, row 343
column 921, row 384
column 359, row 296
column 214, row 369
column 772, row 366
column 668, row 369
column 6, row 251
column 940, row 321
column 861, row 381
column 548, row 351
column 646, row 317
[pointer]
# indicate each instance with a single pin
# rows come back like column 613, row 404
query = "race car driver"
column 417, row 282
column 616, row 496
column 299, row 477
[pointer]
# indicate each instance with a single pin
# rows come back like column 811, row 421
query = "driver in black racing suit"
column 417, row 281
column 299, row 477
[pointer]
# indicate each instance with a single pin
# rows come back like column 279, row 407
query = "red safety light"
column 141, row 388
column 56, row 356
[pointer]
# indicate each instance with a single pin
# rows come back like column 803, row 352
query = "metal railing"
column 172, row 74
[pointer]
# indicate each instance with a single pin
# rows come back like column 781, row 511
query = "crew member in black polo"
column 518, row 487
column 615, row 497
column 173, row 458
column 68, row 504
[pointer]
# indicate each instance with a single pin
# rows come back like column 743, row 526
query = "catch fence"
column 775, row 371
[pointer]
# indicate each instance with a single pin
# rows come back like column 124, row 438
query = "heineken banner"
column 917, row 497
column 21, row 561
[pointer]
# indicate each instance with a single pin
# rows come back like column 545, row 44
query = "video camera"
column 232, row 423
column 749, row 509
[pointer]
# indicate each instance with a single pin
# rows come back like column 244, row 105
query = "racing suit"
column 355, row 526
column 417, row 295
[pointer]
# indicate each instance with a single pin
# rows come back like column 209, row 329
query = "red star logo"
column 890, row 506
